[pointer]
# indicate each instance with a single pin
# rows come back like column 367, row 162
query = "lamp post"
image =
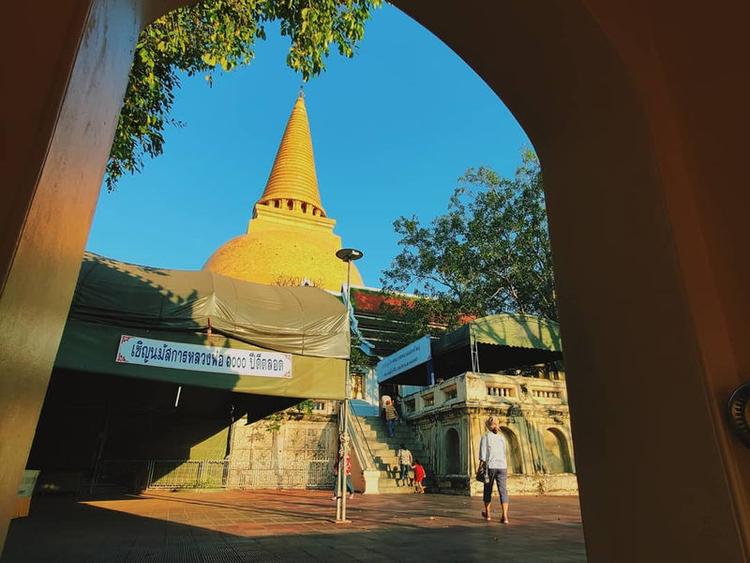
column 347, row 255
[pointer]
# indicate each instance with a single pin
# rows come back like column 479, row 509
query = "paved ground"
column 293, row 526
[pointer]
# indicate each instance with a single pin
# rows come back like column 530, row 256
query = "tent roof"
column 518, row 331
column 505, row 341
column 298, row 320
column 113, row 299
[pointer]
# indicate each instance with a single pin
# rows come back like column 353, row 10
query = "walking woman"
column 492, row 454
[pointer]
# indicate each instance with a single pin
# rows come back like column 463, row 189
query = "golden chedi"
column 289, row 240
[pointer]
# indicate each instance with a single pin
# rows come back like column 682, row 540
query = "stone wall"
column 539, row 484
column 295, row 452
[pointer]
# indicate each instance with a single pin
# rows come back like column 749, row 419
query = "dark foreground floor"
column 293, row 526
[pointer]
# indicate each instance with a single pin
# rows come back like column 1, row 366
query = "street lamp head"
column 349, row 254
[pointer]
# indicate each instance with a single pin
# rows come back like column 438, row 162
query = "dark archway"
column 452, row 450
column 637, row 110
column 513, row 449
column 556, row 452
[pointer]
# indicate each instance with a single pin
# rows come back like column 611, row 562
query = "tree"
column 490, row 253
column 220, row 34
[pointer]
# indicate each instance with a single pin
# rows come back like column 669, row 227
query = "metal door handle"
column 738, row 413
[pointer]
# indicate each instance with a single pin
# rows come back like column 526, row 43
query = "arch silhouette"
column 513, row 449
column 452, row 451
column 638, row 112
column 556, row 452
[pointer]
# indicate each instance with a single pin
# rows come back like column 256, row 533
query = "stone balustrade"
column 485, row 389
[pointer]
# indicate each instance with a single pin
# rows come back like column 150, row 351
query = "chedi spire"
column 293, row 184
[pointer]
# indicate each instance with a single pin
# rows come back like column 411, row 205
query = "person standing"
column 405, row 460
column 384, row 400
column 348, row 474
column 492, row 454
column 391, row 417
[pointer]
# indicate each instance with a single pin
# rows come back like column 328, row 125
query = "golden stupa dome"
column 289, row 240
column 274, row 257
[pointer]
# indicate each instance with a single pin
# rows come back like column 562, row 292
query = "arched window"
column 452, row 452
column 513, row 450
column 556, row 452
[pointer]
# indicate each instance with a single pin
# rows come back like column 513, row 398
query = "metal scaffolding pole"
column 348, row 255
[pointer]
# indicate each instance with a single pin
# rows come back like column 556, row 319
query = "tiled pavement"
column 293, row 526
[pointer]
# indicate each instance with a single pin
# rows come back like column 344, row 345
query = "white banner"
column 197, row 357
column 418, row 352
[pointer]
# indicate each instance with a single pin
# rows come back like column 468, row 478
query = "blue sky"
column 393, row 128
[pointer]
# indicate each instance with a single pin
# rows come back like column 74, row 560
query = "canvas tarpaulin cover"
column 513, row 330
column 499, row 342
column 203, row 308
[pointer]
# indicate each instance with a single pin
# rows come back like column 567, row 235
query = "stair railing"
column 360, row 443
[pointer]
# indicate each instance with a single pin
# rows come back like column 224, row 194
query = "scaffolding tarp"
column 305, row 327
column 516, row 331
column 498, row 343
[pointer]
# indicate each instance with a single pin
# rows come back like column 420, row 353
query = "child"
column 418, row 476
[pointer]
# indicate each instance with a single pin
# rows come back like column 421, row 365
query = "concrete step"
column 395, row 446
column 390, row 459
column 403, row 434
column 363, row 409
column 382, row 446
column 382, row 466
column 377, row 422
column 378, row 447
column 388, row 475
column 394, row 443
column 384, row 431
column 391, row 488
column 384, row 449
column 397, row 436
column 385, row 464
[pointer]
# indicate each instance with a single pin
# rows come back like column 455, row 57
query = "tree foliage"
column 490, row 253
column 220, row 34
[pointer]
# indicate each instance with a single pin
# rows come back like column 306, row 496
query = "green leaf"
column 197, row 38
column 489, row 253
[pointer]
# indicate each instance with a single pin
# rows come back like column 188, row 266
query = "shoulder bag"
column 481, row 475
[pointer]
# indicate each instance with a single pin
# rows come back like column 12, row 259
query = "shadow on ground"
column 292, row 526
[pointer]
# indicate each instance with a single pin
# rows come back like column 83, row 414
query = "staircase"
column 384, row 451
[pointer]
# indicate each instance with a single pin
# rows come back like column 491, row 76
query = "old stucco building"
column 535, row 422
column 507, row 366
